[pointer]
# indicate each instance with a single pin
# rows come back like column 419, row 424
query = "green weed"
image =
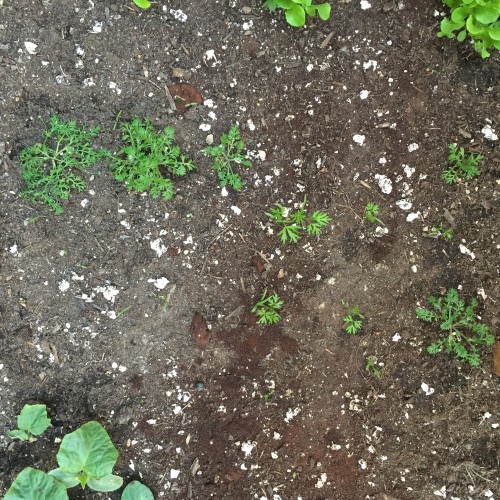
column 266, row 309
column 462, row 333
column 148, row 158
column 48, row 168
column 292, row 224
column 353, row 320
column 440, row 232
column 371, row 366
column 461, row 166
column 371, row 212
column 227, row 156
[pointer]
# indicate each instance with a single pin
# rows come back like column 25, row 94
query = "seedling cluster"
column 293, row 224
column 86, row 457
column 353, row 320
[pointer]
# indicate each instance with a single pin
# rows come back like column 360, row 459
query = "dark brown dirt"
column 186, row 379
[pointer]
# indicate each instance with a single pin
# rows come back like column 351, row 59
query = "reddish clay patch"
column 199, row 330
column 184, row 95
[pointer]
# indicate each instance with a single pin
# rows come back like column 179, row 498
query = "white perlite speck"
column 158, row 247
column 489, row 133
column 427, row 390
column 30, row 47
column 64, row 286
column 404, row 204
column 365, row 5
column 236, row 210
column 384, row 183
column 412, row 147
column 359, row 139
column 159, row 283
column 364, row 94
column 108, row 292
column 466, row 251
column 247, row 447
column 179, row 15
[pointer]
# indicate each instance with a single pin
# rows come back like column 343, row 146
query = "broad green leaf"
column 494, row 32
column 285, row 4
column 19, row 434
column 487, row 14
column 33, row 419
column 69, row 480
column 324, row 10
column 461, row 36
column 106, row 483
column 296, row 16
column 458, row 15
column 143, row 4
column 88, row 449
column 473, row 28
column 32, row 484
column 270, row 4
column 448, row 27
column 137, row 491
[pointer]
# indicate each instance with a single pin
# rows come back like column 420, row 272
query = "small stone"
column 181, row 73
column 199, row 386
column 210, row 139
column 246, row 9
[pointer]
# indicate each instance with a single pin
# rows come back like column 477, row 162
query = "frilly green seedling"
column 267, row 309
column 228, row 156
column 462, row 332
column 293, row 223
column 461, row 166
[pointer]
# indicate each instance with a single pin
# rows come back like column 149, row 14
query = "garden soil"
column 135, row 312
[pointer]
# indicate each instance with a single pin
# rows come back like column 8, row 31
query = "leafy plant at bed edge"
column 292, row 224
column 371, row 366
column 461, row 166
column 48, row 168
column 35, row 484
column 476, row 18
column 267, row 309
column 87, row 457
column 147, row 157
column 462, row 332
column 296, row 10
column 137, row 491
column 227, row 155
column 32, row 421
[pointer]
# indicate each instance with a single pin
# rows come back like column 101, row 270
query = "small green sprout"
column 371, row 366
column 440, row 231
column 462, row 332
column 48, row 168
column 143, row 4
column 228, row 155
column 31, row 422
column 461, row 166
column 268, row 395
column 292, row 224
column 148, row 159
column 353, row 320
column 296, row 10
column 371, row 212
column 266, row 309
